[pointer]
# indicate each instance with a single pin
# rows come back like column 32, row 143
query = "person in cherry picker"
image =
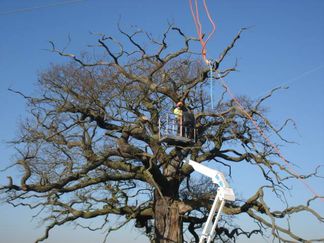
column 178, row 112
column 185, row 119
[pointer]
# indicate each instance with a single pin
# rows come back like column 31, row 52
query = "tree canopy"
column 90, row 147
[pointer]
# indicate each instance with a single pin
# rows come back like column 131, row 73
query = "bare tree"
column 90, row 147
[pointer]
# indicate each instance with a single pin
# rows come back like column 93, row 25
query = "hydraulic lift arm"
column 224, row 192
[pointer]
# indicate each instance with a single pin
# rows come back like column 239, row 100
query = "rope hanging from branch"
column 195, row 15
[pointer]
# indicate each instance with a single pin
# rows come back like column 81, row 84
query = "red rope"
column 268, row 140
column 196, row 18
column 211, row 21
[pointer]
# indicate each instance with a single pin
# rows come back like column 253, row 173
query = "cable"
column 297, row 78
column 211, row 86
column 21, row 10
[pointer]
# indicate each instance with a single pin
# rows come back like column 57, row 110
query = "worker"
column 178, row 112
column 189, row 123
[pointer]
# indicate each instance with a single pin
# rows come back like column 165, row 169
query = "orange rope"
column 267, row 139
column 196, row 18
column 211, row 21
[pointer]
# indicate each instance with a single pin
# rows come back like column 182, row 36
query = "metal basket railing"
column 170, row 125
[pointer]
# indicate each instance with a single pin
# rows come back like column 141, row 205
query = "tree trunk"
column 167, row 220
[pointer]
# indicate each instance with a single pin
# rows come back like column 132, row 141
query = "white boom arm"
column 224, row 192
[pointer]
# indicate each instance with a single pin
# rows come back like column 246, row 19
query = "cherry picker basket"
column 174, row 131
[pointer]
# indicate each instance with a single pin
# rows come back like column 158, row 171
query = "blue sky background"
column 283, row 45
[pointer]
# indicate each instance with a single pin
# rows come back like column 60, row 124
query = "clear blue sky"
column 284, row 44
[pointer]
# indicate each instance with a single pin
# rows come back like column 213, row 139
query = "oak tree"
column 90, row 147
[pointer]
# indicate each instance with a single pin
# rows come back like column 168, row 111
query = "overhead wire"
column 21, row 10
column 297, row 78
